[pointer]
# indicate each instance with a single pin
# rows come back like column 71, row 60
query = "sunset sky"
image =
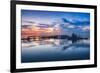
column 51, row 16
column 43, row 22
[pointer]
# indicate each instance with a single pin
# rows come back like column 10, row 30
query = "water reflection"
column 56, row 42
column 41, row 50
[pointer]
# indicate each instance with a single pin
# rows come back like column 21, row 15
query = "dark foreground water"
column 54, row 50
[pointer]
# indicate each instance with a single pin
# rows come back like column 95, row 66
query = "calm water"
column 54, row 50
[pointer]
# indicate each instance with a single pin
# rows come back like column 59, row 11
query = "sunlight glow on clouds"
column 71, row 26
column 53, row 23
